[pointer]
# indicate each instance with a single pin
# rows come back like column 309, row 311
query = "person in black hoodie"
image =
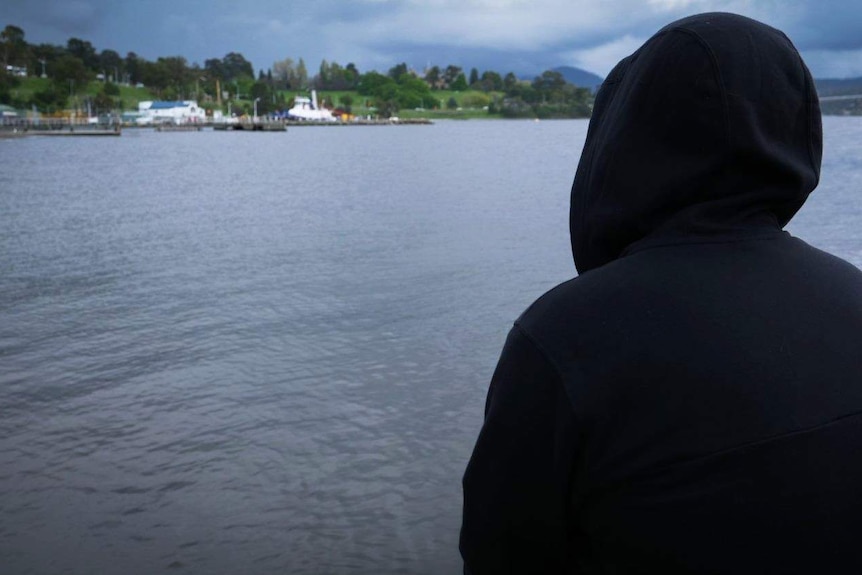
column 690, row 403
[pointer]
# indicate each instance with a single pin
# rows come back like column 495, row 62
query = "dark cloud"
column 519, row 35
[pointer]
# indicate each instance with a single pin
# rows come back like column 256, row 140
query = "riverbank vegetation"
column 56, row 79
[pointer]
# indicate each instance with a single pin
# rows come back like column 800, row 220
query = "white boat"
column 306, row 110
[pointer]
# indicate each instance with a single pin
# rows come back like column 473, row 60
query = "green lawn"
column 362, row 105
column 130, row 95
column 469, row 103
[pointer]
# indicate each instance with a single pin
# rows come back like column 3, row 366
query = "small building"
column 167, row 112
column 20, row 71
column 8, row 111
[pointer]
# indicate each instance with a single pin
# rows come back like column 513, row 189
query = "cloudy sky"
column 525, row 36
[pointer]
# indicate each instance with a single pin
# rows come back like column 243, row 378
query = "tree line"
column 231, row 79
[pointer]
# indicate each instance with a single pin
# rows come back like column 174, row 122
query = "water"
column 259, row 353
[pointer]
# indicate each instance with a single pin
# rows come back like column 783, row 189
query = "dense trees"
column 390, row 95
column 547, row 96
column 84, row 51
column 71, row 69
column 332, row 76
column 13, row 46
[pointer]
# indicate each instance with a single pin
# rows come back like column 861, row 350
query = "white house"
column 180, row 112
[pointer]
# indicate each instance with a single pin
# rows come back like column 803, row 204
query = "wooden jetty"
column 251, row 126
column 79, row 131
column 18, row 128
column 179, row 128
column 363, row 122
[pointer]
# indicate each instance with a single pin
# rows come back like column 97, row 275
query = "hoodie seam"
column 812, row 101
column 556, row 369
column 765, row 237
column 754, row 443
column 809, row 107
column 716, row 70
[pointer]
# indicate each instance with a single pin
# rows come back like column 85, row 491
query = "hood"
column 712, row 127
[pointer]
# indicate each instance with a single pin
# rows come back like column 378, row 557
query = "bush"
column 475, row 100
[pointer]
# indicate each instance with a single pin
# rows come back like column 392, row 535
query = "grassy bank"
column 469, row 104
column 129, row 95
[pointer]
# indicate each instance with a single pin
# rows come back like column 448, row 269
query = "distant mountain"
column 833, row 87
column 579, row 77
column 836, row 96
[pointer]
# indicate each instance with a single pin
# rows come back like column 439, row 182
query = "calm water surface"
column 261, row 353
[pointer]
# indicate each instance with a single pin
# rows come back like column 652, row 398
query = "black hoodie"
column 692, row 402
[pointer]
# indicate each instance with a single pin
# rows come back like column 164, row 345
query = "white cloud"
column 834, row 63
column 495, row 24
column 670, row 4
column 600, row 59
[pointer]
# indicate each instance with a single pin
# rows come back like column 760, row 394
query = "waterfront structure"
column 307, row 110
column 177, row 112
column 8, row 111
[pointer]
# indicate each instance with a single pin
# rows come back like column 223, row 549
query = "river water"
column 268, row 353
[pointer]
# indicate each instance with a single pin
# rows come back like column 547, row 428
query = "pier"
column 251, row 126
column 57, row 127
column 365, row 122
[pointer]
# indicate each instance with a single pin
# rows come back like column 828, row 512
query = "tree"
column 85, row 52
column 460, row 83
column 510, row 82
column 301, row 75
column 414, row 93
column 7, row 83
column 133, row 68
column 432, row 76
column 235, row 66
column 69, row 74
column 450, row 75
column 491, row 81
column 50, row 99
column 386, row 107
column 475, row 100
column 44, row 53
column 550, row 83
column 346, row 101
column 177, row 72
column 13, row 45
column 474, row 77
column 324, row 78
column 397, row 71
column 111, row 64
column 452, row 103
column 374, row 84
column 103, row 103
column 351, row 74
column 548, row 96
column 214, row 68
column 283, row 72
column 262, row 90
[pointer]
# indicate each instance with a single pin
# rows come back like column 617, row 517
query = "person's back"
column 692, row 402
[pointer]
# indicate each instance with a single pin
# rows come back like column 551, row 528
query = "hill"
column 835, row 87
column 836, row 96
column 579, row 77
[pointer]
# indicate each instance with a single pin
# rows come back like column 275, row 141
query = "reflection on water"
column 230, row 352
